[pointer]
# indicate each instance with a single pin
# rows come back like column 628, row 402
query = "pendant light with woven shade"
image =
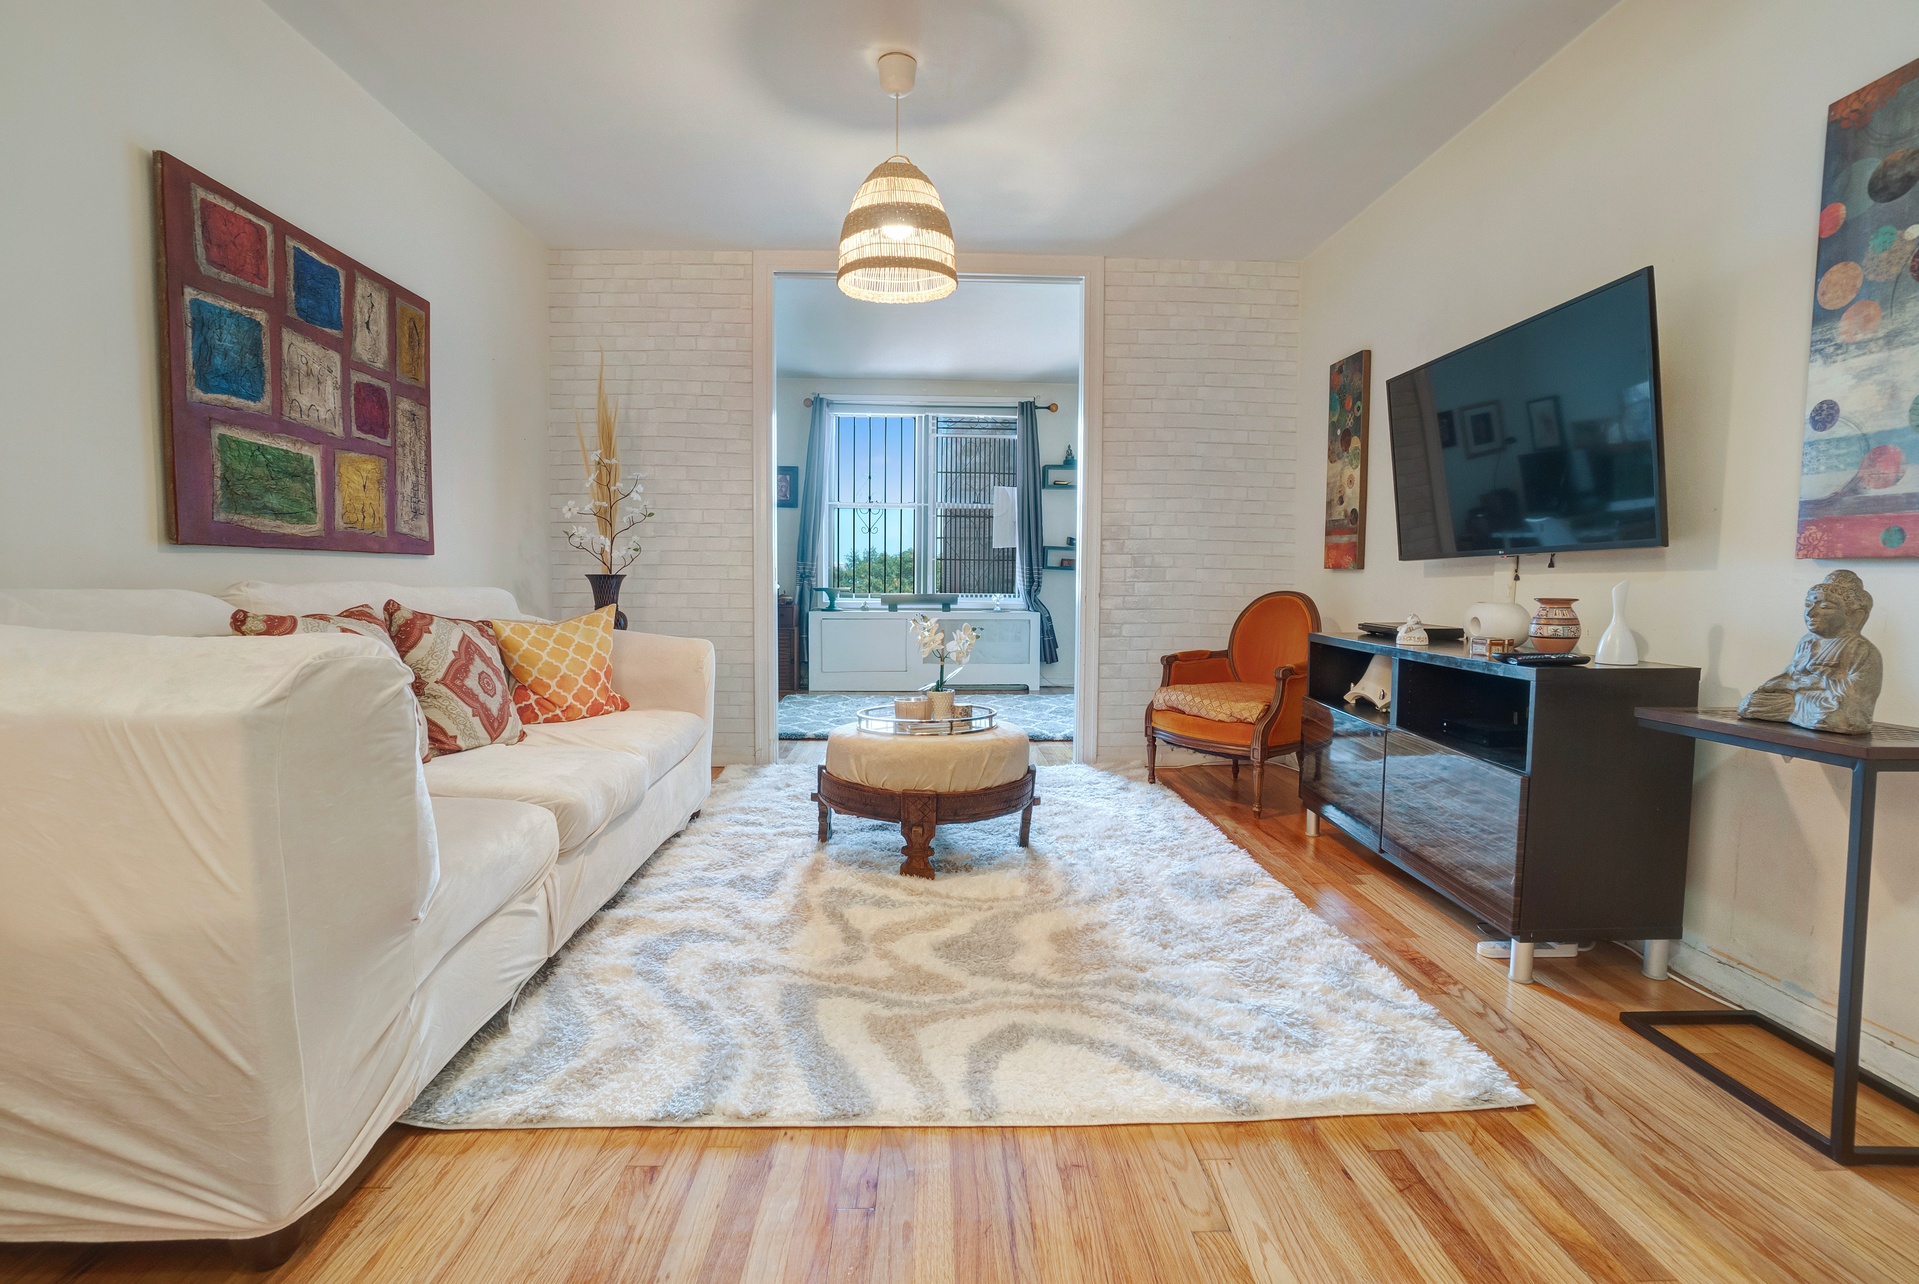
column 896, row 245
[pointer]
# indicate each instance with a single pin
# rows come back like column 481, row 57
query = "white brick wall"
column 1200, row 464
column 676, row 327
column 1200, row 396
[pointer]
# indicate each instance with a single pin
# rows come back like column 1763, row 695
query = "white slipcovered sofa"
column 241, row 925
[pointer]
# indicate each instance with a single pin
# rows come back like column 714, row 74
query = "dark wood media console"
column 1529, row 796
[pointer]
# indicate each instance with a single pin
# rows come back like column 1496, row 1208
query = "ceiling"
column 1198, row 129
column 989, row 329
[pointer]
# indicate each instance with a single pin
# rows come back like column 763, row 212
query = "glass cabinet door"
column 1458, row 819
column 1342, row 761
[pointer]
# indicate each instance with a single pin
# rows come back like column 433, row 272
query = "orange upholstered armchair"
column 1242, row 703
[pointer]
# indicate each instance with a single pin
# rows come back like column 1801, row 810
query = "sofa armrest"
column 655, row 671
column 216, row 851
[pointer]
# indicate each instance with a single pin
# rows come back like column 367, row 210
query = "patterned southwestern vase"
column 1555, row 628
column 606, row 592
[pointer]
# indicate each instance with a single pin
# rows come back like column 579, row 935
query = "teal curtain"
column 813, row 543
column 1032, row 528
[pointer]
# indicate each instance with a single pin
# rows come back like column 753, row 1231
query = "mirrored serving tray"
column 881, row 718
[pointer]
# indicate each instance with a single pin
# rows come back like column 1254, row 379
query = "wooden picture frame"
column 1482, row 430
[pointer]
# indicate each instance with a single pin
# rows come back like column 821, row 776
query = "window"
column 911, row 507
column 972, row 455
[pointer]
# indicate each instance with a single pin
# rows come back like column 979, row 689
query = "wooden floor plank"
column 1629, row 1168
column 1277, row 1240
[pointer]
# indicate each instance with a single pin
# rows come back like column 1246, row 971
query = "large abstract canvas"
column 284, row 424
column 1346, row 463
column 1859, row 484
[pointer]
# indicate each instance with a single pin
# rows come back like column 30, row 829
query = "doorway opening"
column 927, row 463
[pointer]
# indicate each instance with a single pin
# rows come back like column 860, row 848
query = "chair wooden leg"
column 1236, row 771
column 1259, row 771
column 1152, row 758
column 1026, row 825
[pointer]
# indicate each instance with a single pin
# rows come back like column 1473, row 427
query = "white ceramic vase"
column 1507, row 620
column 1616, row 645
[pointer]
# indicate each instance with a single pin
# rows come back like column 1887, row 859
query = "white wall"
column 1200, row 469
column 87, row 91
column 676, row 328
column 1687, row 134
column 1056, row 430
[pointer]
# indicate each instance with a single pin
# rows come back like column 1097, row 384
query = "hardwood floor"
column 1629, row 1168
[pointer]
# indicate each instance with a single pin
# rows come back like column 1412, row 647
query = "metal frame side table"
column 1884, row 748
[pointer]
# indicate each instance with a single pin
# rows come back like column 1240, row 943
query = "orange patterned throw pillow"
column 459, row 679
column 562, row 671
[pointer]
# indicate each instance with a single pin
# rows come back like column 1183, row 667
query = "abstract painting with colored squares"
column 1346, row 463
column 297, row 407
column 1859, row 466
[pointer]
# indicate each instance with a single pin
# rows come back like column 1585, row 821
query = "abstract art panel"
column 1346, row 463
column 411, row 359
column 314, row 287
column 370, row 330
column 1858, row 483
column 226, row 353
column 372, row 408
column 283, row 426
column 309, row 382
column 412, row 483
column 265, row 481
column 359, row 492
column 230, row 244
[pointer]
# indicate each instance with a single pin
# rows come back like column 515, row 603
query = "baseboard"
column 1880, row 1051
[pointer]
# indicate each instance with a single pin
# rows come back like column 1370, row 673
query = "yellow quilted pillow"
column 561, row 672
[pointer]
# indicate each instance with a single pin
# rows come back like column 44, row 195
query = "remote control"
column 1545, row 659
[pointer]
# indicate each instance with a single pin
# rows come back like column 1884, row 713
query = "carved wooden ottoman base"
column 921, row 811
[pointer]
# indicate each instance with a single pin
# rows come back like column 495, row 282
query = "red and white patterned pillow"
column 362, row 619
column 459, row 679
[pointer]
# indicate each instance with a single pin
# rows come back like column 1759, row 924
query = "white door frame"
column 1090, row 272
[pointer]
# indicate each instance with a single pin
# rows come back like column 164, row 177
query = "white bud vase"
column 1616, row 645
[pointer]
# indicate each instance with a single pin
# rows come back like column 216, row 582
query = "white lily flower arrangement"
column 935, row 645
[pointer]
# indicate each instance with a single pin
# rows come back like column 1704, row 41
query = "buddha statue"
column 1833, row 681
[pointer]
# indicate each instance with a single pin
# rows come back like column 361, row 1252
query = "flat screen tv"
column 1543, row 438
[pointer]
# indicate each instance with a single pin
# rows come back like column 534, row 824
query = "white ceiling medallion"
column 896, row 245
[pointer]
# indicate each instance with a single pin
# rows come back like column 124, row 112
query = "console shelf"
column 1529, row 796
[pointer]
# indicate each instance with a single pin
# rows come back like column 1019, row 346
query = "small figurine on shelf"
column 1412, row 633
column 1375, row 686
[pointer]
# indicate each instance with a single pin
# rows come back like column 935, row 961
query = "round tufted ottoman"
column 925, row 781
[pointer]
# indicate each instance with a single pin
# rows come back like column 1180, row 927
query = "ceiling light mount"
column 898, row 71
column 896, row 245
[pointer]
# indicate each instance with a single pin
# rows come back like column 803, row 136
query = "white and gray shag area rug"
column 1132, row 966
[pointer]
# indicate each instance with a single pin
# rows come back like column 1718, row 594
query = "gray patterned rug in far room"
column 1132, row 966
column 1043, row 715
